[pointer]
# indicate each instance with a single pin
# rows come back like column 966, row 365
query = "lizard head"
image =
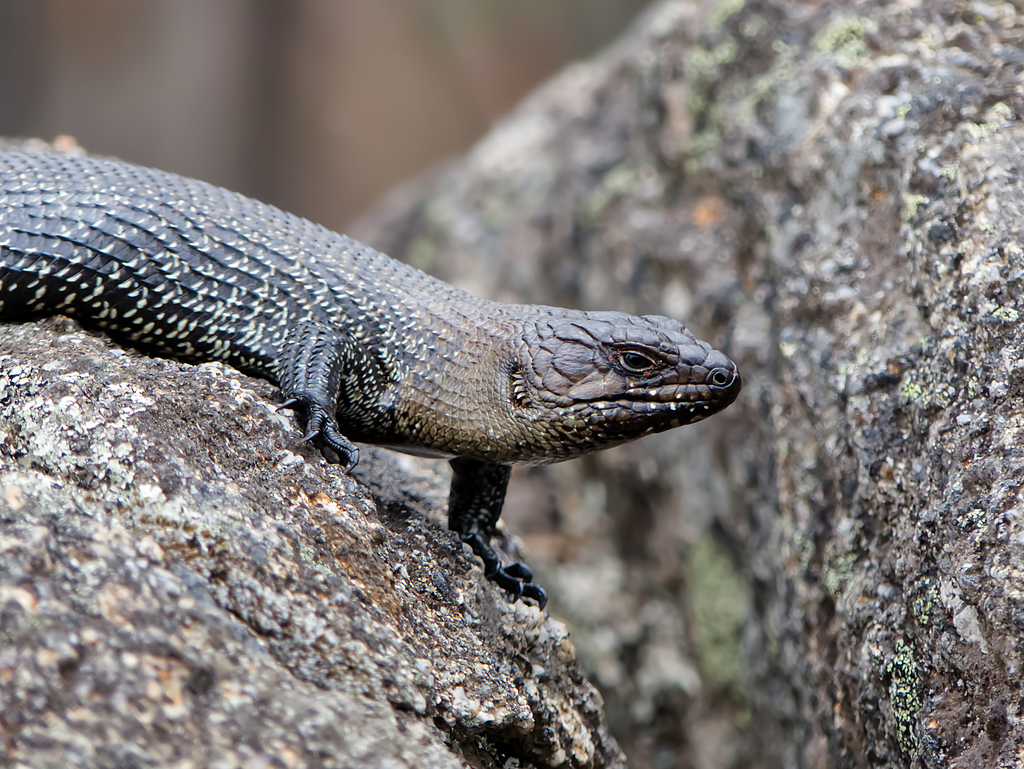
column 583, row 381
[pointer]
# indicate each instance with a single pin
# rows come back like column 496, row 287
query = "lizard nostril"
column 720, row 377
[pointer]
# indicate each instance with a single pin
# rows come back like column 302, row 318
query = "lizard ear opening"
column 519, row 392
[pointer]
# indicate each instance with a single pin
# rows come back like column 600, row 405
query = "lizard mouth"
column 660, row 408
column 718, row 384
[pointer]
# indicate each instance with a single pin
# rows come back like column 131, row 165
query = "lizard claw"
column 321, row 427
column 519, row 571
column 515, row 578
column 506, row 578
column 537, row 594
column 509, row 584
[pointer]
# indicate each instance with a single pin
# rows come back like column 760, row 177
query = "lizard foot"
column 515, row 578
column 518, row 588
column 322, row 428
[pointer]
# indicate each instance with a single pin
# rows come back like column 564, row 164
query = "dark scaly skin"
column 367, row 348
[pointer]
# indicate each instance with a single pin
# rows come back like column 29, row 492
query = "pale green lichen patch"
column 719, row 602
column 995, row 118
column 702, row 62
column 625, row 179
column 844, row 39
column 927, row 393
column 904, row 696
column 1007, row 314
column 927, row 604
column 723, row 10
column 836, row 573
column 911, row 203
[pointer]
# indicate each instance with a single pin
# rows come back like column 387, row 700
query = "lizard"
column 366, row 349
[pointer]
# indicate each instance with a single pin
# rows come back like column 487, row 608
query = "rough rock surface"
column 832, row 572
column 829, row 574
column 183, row 585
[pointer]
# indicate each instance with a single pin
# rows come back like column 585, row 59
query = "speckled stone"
column 183, row 585
column 830, row 193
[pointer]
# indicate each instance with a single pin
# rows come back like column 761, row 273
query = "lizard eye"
column 633, row 361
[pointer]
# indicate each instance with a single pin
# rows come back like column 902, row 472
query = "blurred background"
column 317, row 106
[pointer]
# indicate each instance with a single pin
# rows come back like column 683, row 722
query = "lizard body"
column 367, row 348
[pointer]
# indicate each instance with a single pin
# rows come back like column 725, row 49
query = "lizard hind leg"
column 474, row 506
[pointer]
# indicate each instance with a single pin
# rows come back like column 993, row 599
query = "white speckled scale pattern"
column 372, row 350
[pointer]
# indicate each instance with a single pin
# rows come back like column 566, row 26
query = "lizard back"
column 188, row 269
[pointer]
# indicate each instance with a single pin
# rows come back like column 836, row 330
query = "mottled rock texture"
column 183, row 585
column 832, row 572
column 829, row 574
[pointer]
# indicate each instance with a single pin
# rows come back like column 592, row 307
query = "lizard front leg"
column 474, row 506
column 312, row 378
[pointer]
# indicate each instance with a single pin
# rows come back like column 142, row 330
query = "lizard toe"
column 322, row 429
column 519, row 571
